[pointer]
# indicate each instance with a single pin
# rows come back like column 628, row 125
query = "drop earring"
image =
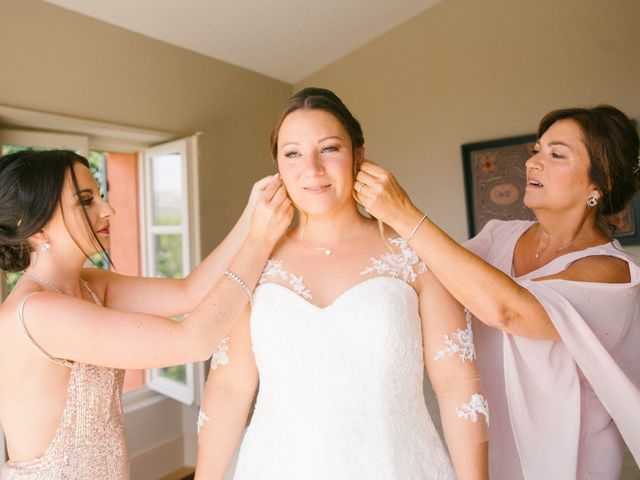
column 592, row 202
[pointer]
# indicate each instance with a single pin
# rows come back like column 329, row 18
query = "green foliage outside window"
column 169, row 255
column 177, row 373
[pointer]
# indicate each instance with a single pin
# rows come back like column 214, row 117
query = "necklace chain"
column 560, row 247
column 83, row 283
column 43, row 281
column 325, row 250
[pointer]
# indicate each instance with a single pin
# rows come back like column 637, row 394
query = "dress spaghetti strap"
column 31, row 340
column 23, row 328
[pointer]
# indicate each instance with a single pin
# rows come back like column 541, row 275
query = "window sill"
column 140, row 398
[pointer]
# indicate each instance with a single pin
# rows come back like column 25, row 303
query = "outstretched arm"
column 229, row 393
column 171, row 297
column 493, row 297
column 449, row 355
column 78, row 330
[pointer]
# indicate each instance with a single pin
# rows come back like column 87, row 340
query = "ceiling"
column 284, row 39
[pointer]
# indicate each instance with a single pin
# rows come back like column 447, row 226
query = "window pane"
column 12, row 279
column 166, row 173
column 7, row 149
column 168, row 249
column 177, row 373
column 98, row 167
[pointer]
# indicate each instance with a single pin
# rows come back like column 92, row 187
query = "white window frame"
column 189, row 392
column 65, row 141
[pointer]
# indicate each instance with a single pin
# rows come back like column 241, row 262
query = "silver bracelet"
column 239, row 281
column 415, row 229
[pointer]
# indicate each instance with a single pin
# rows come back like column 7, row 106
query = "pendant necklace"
column 559, row 248
column 324, row 250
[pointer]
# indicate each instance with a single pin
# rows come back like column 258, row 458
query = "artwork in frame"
column 495, row 179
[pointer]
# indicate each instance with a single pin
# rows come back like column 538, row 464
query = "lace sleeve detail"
column 220, row 356
column 477, row 405
column 450, row 358
column 405, row 264
column 460, row 342
column 202, row 418
column 274, row 269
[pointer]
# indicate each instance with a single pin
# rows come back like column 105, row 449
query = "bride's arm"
column 449, row 356
column 229, row 394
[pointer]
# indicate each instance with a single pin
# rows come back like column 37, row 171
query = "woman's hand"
column 272, row 213
column 381, row 195
column 257, row 190
column 244, row 222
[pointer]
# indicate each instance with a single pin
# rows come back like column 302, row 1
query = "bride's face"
column 315, row 160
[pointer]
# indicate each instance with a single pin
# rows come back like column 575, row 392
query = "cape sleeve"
column 482, row 242
column 495, row 239
column 599, row 326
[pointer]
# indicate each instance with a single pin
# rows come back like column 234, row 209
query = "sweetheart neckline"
column 339, row 297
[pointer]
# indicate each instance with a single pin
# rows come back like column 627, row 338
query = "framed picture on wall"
column 495, row 179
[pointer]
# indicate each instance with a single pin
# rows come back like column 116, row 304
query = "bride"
column 343, row 322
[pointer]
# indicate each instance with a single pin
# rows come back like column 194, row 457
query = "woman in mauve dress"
column 557, row 300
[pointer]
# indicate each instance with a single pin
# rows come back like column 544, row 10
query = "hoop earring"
column 592, row 202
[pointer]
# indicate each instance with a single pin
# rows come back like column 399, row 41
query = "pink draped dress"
column 562, row 409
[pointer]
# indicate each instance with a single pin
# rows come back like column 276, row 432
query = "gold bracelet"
column 415, row 229
column 239, row 281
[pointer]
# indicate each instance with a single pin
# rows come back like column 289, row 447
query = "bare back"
column 33, row 389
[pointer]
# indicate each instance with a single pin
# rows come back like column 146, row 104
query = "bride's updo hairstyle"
column 321, row 99
column 611, row 140
column 31, row 185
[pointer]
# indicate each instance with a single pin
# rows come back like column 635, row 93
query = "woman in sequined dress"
column 343, row 322
column 67, row 333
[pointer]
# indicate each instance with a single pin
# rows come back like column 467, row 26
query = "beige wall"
column 57, row 61
column 470, row 70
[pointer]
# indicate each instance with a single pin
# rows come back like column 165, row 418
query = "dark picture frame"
column 495, row 178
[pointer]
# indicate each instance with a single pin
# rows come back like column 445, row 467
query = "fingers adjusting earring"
column 592, row 202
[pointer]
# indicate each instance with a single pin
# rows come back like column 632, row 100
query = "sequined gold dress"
column 89, row 442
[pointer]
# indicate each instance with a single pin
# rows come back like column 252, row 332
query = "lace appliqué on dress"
column 220, row 356
column 461, row 342
column 405, row 264
column 470, row 411
column 274, row 269
column 202, row 417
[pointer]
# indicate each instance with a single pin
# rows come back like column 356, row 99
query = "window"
column 171, row 240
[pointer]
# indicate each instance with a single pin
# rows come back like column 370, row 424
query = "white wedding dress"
column 341, row 387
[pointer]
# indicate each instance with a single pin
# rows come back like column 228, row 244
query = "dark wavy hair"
column 613, row 146
column 31, row 184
